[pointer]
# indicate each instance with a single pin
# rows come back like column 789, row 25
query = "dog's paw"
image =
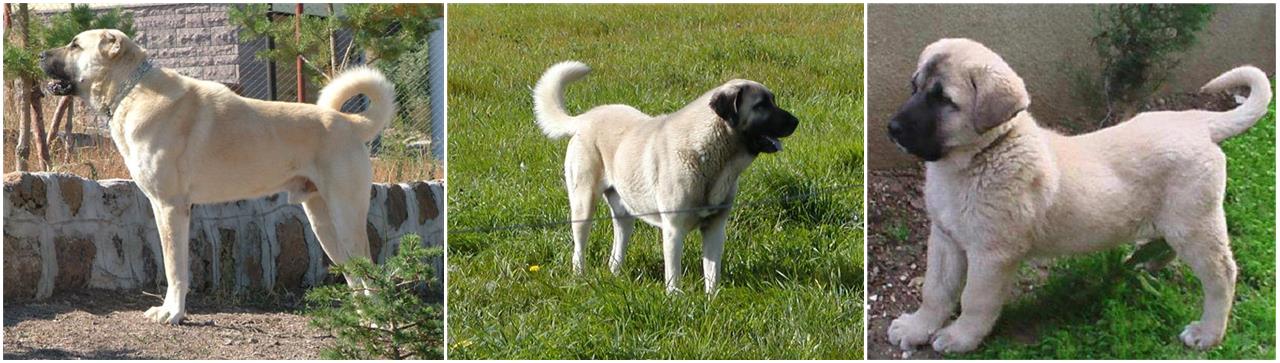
column 166, row 315
column 907, row 332
column 1199, row 337
column 954, row 339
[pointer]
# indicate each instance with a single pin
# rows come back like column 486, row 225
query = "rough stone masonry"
column 63, row 232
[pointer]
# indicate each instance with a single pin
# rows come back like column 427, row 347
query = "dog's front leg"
column 173, row 220
column 673, row 233
column 987, row 282
column 713, row 237
column 943, row 277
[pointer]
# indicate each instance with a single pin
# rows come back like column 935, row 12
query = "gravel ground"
column 105, row 324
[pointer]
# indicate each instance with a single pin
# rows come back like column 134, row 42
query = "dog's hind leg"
column 173, row 219
column 341, row 230
column 583, row 180
column 623, row 224
column 1204, row 246
column 713, row 237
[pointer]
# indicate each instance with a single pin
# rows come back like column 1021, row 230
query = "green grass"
column 791, row 286
column 1095, row 308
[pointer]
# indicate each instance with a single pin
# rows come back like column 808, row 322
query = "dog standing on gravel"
column 1000, row 189
column 677, row 171
column 187, row 141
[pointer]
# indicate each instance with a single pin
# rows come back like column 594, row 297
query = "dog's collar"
column 994, row 143
column 143, row 68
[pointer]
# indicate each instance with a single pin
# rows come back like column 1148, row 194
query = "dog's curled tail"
column 548, row 98
column 371, row 83
column 1236, row 121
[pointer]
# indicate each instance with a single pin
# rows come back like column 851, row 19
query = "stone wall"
column 63, row 232
column 1048, row 45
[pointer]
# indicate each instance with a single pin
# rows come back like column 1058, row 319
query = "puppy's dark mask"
column 750, row 111
column 915, row 126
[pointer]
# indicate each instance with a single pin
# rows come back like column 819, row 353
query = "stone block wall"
column 63, row 232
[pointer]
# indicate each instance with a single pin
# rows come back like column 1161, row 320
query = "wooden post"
column 297, row 37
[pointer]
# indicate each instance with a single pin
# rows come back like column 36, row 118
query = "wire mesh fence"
column 207, row 41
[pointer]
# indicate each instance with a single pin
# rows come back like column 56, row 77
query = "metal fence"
column 199, row 41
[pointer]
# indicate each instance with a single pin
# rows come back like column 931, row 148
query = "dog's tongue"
column 771, row 144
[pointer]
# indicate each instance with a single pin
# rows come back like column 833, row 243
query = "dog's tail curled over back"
column 1231, row 123
column 548, row 98
column 370, row 82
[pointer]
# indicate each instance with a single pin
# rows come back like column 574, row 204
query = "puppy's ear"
column 111, row 45
column 725, row 103
column 998, row 95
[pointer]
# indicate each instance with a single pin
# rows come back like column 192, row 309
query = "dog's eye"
column 74, row 45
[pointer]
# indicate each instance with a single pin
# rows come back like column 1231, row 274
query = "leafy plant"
column 379, row 31
column 57, row 31
column 388, row 318
column 1138, row 45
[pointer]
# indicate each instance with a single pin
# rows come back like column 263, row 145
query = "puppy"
column 1000, row 189
column 677, row 171
column 187, row 141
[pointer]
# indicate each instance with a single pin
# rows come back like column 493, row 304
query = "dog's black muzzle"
column 767, row 137
column 61, row 81
column 914, row 127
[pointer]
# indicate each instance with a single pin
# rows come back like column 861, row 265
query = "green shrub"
column 1138, row 43
column 392, row 321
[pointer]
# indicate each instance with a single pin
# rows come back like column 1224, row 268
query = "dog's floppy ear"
column 111, row 45
column 998, row 95
column 725, row 103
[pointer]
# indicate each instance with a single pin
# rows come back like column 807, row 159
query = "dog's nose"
column 895, row 128
column 43, row 55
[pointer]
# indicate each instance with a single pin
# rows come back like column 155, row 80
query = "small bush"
column 392, row 321
column 1138, row 43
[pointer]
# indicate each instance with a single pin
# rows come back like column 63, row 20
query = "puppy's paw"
column 955, row 339
column 908, row 331
column 165, row 314
column 1200, row 337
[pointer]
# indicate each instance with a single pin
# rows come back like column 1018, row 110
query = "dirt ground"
column 106, row 324
column 897, row 230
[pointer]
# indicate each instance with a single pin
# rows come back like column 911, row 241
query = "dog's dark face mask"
column 751, row 112
column 59, row 65
column 915, row 126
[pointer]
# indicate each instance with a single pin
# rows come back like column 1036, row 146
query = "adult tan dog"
column 187, row 141
column 1000, row 189
column 676, row 171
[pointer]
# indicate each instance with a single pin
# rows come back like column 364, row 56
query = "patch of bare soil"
column 107, row 324
column 898, row 227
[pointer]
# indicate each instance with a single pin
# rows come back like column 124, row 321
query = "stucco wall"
column 65, row 232
column 1048, row 45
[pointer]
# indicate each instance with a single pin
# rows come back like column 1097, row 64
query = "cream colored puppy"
column 1000, row 189
column 677, row 171
column 187, row 141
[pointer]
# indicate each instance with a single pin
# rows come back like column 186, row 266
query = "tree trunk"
column 37, row 113
column 63, row 110
column 23, row 147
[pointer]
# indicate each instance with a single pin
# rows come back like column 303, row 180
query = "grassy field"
column 1096, row 308
column 792, row 277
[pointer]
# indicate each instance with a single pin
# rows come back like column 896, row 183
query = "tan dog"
column 1000, row 189
column 676, row 172
column 187, row 141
